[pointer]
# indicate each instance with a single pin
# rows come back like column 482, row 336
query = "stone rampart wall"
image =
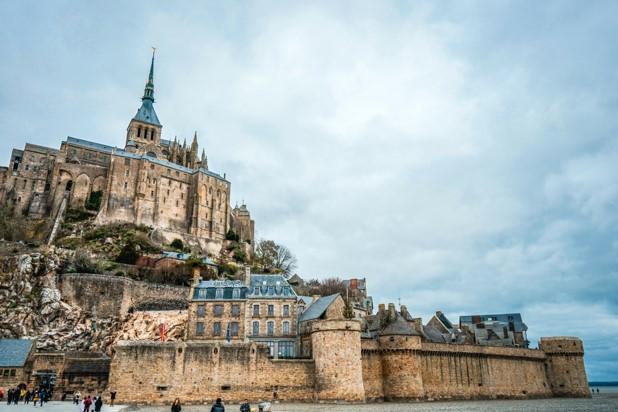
column 114, row 296
column 198, row 372
column 446, row 371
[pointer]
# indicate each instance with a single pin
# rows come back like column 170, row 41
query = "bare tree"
column 273, row 258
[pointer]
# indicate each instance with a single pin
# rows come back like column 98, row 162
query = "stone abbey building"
column 151, row 181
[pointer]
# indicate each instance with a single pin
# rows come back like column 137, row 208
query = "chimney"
column 392, row 312
column 404, row 312
column 247, row 277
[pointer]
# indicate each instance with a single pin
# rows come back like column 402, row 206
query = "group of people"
column 21, row 394
column 85, row 404
column 219, row 407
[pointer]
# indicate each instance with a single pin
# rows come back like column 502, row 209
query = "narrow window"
column 199, row 329
column 256, row 310
column 271, row 310
column 218, row 310
column 286, row 327
column 236, row 293
column 139, row 131
column 256, row 328
column 201, row 311
column 235, row 310
column 219, row 293
column 286, row 310
column 126, row 185
column 234, row 328
column 270, row 328
column 216, row 329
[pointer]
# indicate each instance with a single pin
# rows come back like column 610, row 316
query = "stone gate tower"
column 565, row 366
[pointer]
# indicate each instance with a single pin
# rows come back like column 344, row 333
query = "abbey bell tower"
column 144, row 131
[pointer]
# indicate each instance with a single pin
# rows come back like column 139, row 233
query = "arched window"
column 152, row 132
column 69, row 185
column 139, row 131
column 256, row 327
column 286, row 328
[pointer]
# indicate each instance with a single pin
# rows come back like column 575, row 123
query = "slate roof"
column 207, row 290
column 307, row 299
column 120, row 152
column 14, row 352
column 146, row 113
column 400, row 327
column 318, row 308
column 271, row 286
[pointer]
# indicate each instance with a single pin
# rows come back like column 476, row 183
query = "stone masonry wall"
column 565, row 366
column 394, row 369
column 198, row 372
column 336, row 348
column 113, row 296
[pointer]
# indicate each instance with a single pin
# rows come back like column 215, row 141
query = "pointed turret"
column 149, row 89
column 173, row 150
column 146, row 113
column 145, row 127
column 204, row 161
column 193, row 157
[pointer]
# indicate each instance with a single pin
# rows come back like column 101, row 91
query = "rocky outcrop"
column 32, row 306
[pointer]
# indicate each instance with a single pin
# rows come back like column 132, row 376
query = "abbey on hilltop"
column 151, row 181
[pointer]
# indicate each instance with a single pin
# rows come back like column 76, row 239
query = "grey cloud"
column 460, row 155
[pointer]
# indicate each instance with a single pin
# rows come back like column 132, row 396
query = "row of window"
column 7, row 372
column 231, row 330
column 283, row 349
column 271, row 310
column 270, row 328
column 149, row 133
column 217, row 310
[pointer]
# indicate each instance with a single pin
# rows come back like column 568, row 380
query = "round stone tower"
column 564, row 366
column 336, row 347
column 401, row 369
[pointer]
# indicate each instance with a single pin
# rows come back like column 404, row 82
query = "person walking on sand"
column 245, row 406
column 87, row 403
column 98, row 404
column 218, row 406
column 41, row 397
column 176, row 405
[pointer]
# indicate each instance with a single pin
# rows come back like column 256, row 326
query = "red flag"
column 162, row 332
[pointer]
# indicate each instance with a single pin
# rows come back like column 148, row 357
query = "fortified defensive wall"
column 345, row 367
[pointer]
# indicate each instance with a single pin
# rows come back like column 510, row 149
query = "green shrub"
column 76, row 215
column 177, row 244
column 128, row 254
column 239, row 255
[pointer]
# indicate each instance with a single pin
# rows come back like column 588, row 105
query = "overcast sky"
column 461, row 156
